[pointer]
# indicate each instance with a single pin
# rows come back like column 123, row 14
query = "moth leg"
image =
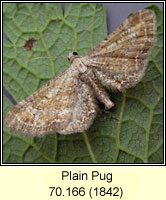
column 100, row 93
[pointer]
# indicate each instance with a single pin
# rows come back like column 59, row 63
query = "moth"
column 68, row 103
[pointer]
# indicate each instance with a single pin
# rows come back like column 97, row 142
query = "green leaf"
column 130, row 133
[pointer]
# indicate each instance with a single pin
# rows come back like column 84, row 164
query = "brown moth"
column 67, row 104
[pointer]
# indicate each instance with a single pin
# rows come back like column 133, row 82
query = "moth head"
column 72, row 56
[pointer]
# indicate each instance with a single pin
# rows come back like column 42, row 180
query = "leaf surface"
column 130, row 133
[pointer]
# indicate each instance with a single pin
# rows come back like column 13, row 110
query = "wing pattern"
column 65, row 104
column 119, row 61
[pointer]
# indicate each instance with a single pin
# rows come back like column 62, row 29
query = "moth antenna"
column 48, row 57
column 89, row 27
column 82, row 34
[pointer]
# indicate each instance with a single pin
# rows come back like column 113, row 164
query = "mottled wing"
column 119, row 61
column 65, row 104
